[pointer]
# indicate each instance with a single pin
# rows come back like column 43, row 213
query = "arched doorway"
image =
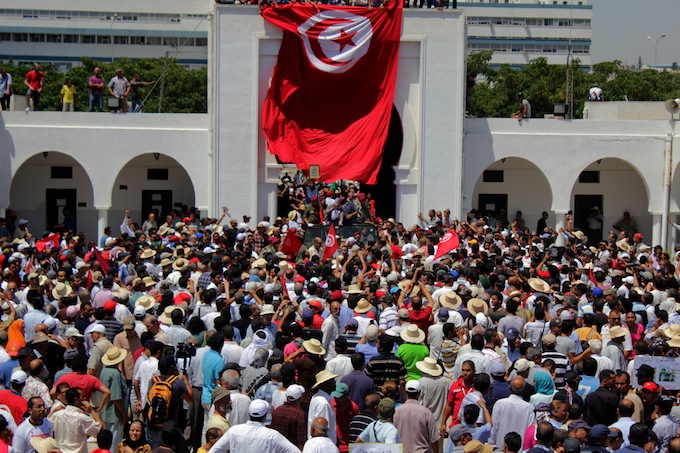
column 151, row 182
column 384, row 192
column 513, row 184
column 614, row 186
column 45, row 184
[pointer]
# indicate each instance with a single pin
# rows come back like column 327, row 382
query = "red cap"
column 274, row 240
column 175, row 238
column 380, row 294
column 315, row 303
column 13, row 349
column 650, row 386
column 337, row 295
column 110, row 306
column 181, row 297
column 299, row 279
column 637, row 235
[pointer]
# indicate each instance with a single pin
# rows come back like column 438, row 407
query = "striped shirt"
column 386, row 367
column 388, row 318
column 359, row 424
column 562, row 365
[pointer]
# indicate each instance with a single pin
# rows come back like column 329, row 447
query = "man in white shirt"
column 73, row 425
column 147, row 370
column 341, row 364
column 320, row 442
column 36, row 425
column 320, row 404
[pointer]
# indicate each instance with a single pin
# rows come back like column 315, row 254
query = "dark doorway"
column 158, row 200
column 56, row 200
column 385, row 191
column 492, row 202
column 582, row 208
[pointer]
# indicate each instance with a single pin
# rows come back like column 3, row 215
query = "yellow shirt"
column 68, row 93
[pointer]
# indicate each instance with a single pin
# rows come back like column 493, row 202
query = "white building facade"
column 103, row 164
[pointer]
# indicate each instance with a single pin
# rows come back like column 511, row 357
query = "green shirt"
column 113, row 379
column 412, row 353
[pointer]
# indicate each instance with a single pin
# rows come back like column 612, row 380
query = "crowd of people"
column 119, row 88
column 188, row 334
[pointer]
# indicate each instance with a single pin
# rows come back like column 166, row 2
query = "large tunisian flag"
column 331, row 94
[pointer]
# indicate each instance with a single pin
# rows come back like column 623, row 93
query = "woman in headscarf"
column 545, row 389
column 15, row 333
column 136, row 441
column 259, row 342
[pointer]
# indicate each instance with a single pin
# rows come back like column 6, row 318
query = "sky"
column 621, row 27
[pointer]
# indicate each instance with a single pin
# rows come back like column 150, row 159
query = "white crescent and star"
column 330, row 240
column 335, row 40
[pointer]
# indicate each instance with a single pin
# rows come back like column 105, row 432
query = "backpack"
column 159, row 397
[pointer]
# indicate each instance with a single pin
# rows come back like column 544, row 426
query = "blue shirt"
column 212, row 367
column 32, row 319
column 6, row 372
column 369, row 350
column 587, row 385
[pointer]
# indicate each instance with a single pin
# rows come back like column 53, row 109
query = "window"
column 61, row 172
column 201, row 42
column 20, row 37
column 88, row 39
column 53, row 38
column 37, row 37
column 70, row 38
column 157, row 174
column 589, row 177
column 170, row 41
column 120, row 39
column 493, row 176
column 5, row 36
column 137, row 40
column 153, row 41
column 103, row 39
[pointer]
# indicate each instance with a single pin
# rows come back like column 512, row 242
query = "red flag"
column 332, row 90
column 449, row 242
column 100, row 259
column 47, row 243
column 331, row 244
column 291, row 244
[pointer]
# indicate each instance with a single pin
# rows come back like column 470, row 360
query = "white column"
column 103, row 221
column 657, row 222
column 560, row 222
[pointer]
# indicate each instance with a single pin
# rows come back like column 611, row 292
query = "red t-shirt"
column 421, row 318
column 17, row 404
column 343, row 417
column 85, row 382
column 35, row 79
column 457, row 392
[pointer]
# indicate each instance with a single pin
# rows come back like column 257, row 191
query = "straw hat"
column 313, row 346
column 323, row 376
column 623, row 245
column 354, row 289
column 475, row 306
column 61, row 290
column 539, row 285
column 450, row 300
column 148, row 253
column 412, row 334
column 179, row 264
column 578, row 235
column 145, row 301
column 149, row 282
column 672, row 331
column 260, row 263
column 166, row 317
column 113, row 356
column 674, row 342
column 430, row 366
column 617, row 332
column 45, row 444
column 163, row 229
column 363, row 306
column 177, row 248
column 166, row 262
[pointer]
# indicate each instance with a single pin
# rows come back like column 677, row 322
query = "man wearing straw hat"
column 434, row 387
column 114, row 413
column 320, row 404
column 413, row 350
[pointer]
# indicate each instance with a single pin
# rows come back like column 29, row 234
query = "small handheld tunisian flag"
column 331, row 94
column 48, row 242
column 449, row 242
column 331, row 244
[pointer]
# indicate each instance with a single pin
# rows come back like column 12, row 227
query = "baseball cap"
column 316, row 304
column 341, row 389
column 372, row 332
column 258, row 408
column 497, row 369
column 601, row 431
column 99, row 328
column 73, row 332
column 294, row 392
column 70, row 354
column 110, row 306
column 578, row 424
column 550, row 339
column 139, row 311
column 555, row 323
column 651, row 387
column 19, row 377
column 572, row 445
column 352, row 323
column 443, row 313
column 233, row 366
column 413, row 386
column 512, row 333
column 219, row 393
column 522, row 365
column 403, row 313
column 337, row 295
column 129, row 322
column 598, row 292
column 459, row 431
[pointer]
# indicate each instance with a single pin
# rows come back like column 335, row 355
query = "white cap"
column 208, row 250
column 81, row 264
column 50, row 322
column 294, row 392
column 630, row 280
column 19, row 377
column 257, row 409
column 413, row 386
column 98, row 328
column 139, row 311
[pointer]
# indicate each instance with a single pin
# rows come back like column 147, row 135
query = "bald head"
column 319, row 427
column 517, row 385
column 35, row 367
column 40, row 328
column 371, row 403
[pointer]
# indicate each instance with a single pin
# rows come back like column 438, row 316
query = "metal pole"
column 113, row 20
